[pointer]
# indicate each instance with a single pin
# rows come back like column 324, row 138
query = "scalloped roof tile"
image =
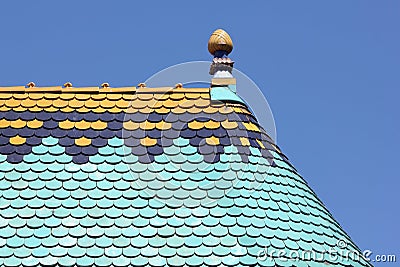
column 149, row 177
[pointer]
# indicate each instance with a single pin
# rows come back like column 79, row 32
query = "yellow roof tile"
column 161, row 97
column 212, row 124
column 217, row 104
column 100, row 96
column 106, row 103
column 17, row 140
column 60, row 103
column 213, row 141
column 82, row 97
column 51, row 96
column 99, row 110
column 225, row 110
column 44, row 103
column 177, row 96
column 18, row 124
column 122, row 104
column 28, row 103
column 131, row 110
column 36, row 96
column 162, row 110
column 98, row 125
column 67, row 96
column 83, row 109
column 130, row 125
column 5, row 95
column 74, row 103
column 241, row 110
column 152, row 103
column 35, row 109
column 20, row 96
column 51, row 109
column 186, row 103
column 34, row 124
column 4, row 108
column 169, row 103
column 144, row 96
column 245, row 141
column 67, row 109
column 83, row 141
column 114, row 110
column 201, row 103
column 205, row 95
column 147, row 141
column 251, row 126
column 260, row 143
column 146, row 110
column 146, row 125
column 90, row 103
column 155, row 104
column 11, row 103
column 192, row 95
column 138, row 104
column 162, row 125
column 195, row 125
column 19, row 109
column 114, row 96
column 129, row 97
column 4, row 123
column 210, row 110
column 82, row 125
column 229, row 124
column 66, row 124
column 194, row 110
column 178, row 110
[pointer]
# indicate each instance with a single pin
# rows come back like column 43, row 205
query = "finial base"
column 221, row 66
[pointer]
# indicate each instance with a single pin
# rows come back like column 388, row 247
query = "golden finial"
column 105, row 85
column 67, row 84
column 220, row 43
column 141, row 85
column 31, row 85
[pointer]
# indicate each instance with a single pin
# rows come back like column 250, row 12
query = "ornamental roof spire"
column 220, row 45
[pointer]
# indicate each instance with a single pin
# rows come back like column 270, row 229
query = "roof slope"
column 153, row 177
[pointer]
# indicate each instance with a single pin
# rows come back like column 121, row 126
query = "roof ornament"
column 178, row 85
column 67, row 84
column 220, row 45
column 31, row 85
column 141, row 85
column 223, row 84
column 105, row 85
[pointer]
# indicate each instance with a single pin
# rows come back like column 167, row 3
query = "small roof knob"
column 105, row 85
column 31, row 85
column 220, row 43
column 67, row 84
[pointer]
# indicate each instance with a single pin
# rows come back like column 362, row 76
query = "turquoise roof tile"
column 93, row 197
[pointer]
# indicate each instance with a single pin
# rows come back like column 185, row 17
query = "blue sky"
column 330, row 71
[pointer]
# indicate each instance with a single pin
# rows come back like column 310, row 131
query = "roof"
column 149, row 176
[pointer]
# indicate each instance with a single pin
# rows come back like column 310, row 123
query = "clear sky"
column 330, row 71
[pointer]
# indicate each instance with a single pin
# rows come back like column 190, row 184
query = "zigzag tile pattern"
column 125, row 178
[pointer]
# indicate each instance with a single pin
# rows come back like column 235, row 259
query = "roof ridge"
column 89, row 89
